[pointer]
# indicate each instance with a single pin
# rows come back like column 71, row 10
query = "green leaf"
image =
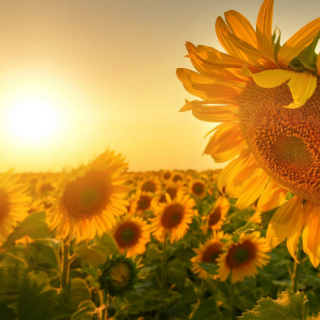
column 289, row 305
column 39, row 300
column 85, row 311
column 153, row 252
column 177, row 274
column 98, row 252
column 211, row 268
column 205, row 310
column 12, row 272
column 34, row 226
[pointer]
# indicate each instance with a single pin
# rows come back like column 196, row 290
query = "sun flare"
column 33, row 119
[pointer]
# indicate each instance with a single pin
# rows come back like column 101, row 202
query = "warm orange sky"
column 107, row 69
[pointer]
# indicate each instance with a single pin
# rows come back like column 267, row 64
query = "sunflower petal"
column 241, row 27
column 285, row 222
column 302, row 86
column 272, row 78
column 298, row 42
column 264, row 28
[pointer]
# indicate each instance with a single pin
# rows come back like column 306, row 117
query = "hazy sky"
column 108, row 69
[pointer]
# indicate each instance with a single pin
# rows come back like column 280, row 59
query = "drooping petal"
column 292, row 244
column 298, row 42
column 241, row 27
column 285, row 222
column 272, row 78
column 272, row 197
column 302, row 86
column 311, row 232
column 252, row 191
column 264, row 28
column 211, row 113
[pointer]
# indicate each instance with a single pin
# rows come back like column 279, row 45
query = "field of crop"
column 181, row 251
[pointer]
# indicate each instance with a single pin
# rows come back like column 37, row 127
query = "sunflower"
column 166, row 176
column 131, row 235
column 242, row 258
column 214, row 220
column 208, row 253
column 177, row 176
column 172, row 190
column 142, row 202
column 267, row 97
column 90, row 198
column 173, row 218
column 198, row 188
column 14, row 203
column 119, row 275
column 150, row 184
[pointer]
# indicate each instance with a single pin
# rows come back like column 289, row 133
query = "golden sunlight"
column 32, row 119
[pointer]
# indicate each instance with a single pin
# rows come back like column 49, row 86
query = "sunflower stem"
column 163, row 278
column 106, row 304
column 65, row 265
column 296, row 268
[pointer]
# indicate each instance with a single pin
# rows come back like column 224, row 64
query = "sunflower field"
column 98, row 242
column 175, row 248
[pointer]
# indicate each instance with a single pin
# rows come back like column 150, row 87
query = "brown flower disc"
column 285, row 142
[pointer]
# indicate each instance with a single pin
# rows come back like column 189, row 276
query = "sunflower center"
column 197, row 188
column 144, row 203
column 172, row 216
column 240, row 255
column 212, row 253
column 127, row 234
column 149, row 186
column 176, row 178
column 285, row 142
column 167, row 175
column 86, row 195
column 215, row 217
column 172, row 191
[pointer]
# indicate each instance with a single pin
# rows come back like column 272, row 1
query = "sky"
column 101, row 73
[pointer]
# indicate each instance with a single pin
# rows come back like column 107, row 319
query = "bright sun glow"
column 33, row 119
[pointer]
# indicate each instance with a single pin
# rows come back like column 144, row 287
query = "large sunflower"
column 267, row 97
column 242, row 258
column 90, row 198
column 14, row 204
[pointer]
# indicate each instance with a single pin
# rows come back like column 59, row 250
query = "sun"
column 33, row 119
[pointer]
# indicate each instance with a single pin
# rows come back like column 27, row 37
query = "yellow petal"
column 264, row 28
column 285, row 222
column 272, row 197
column 302, row 86
column 272, row 78
column 292, row 244
column 298, row 42
column 311, row 232
column 252, row 191
column 241, row 27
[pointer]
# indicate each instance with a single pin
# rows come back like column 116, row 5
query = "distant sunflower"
column 208, row 253
column 173, row 218
column 242, row 258
column 90, row 198
column 177, row 176
column 214, row 220
column 198, row 188
column 267, row 97
column 14, row 204
column 131, row 235
column 172, row 189
column 166, row 175
column 150, row 184
column 142, row 202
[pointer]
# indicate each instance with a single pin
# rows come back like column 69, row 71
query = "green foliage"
column 34, row 226
column 39, row 300
column 288, row 306
column 97, row 252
